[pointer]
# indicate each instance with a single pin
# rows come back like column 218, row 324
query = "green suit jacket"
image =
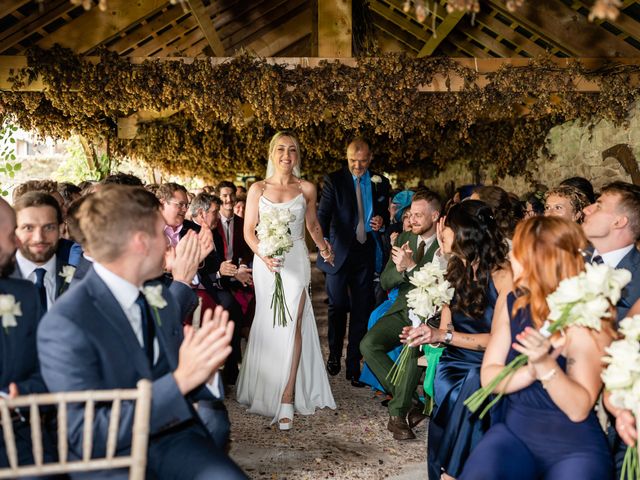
column 391, row 278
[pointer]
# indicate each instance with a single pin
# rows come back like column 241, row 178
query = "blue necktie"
column 148, row 329
column 42, row 291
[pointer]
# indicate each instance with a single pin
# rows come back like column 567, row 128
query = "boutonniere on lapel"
column 153, row 295
column 67, row 273
column 9, row 310
column 375, row 179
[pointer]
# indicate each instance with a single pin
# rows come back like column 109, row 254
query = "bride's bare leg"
column 290, row 388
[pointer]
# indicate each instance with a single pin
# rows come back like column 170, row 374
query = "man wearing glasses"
column 173, row 198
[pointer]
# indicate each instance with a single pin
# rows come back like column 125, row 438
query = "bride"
column 283, row 367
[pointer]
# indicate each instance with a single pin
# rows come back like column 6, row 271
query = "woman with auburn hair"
column 549, row 429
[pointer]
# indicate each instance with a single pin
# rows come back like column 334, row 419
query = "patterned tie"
column 42, row 291
column 227, row 223
column 597, row 259
column 361, row 235
column 148, row 327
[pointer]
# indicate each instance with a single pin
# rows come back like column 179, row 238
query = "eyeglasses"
column 184, row 205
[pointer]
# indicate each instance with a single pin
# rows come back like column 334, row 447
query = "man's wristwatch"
column 448, row 337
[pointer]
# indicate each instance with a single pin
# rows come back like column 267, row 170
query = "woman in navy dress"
column 550, row 430
column 478, row 270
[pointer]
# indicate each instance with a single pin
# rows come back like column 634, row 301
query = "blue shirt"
column 367, row 198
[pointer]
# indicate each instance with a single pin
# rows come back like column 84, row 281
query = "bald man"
column 19, row 370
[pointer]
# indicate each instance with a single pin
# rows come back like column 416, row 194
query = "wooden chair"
column 136, row 462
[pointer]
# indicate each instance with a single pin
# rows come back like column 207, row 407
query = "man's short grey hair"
column 203, row 202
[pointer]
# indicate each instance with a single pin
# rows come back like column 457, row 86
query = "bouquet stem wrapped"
column 275, row 240
column 582, row 300
column 431, row 292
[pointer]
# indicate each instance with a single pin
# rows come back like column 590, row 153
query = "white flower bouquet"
column 275, row 239
column 622, row 379
column 583, row 300
column 431, row 292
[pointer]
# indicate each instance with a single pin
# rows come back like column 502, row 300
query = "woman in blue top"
column 549, row 430
column 478, row 269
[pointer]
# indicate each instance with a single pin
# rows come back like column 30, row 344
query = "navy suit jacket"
column 631, row 293
column 338, row 213
column 86, row 342
column 18, row 344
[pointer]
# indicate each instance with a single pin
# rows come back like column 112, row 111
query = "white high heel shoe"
column 286, row 413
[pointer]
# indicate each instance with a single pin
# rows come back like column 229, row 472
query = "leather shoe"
column 357, row 383
column 416, row 415
column 398, row 426
column 333, row 366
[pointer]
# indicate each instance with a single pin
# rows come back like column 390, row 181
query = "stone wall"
column 575, row 150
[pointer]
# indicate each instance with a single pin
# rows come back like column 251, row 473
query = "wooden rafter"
column 448, row 24
column 33, row 23
column 558, row 24
column 508, row 33
column 290, row 32
column 10, row 6
column 206, row 25
column 95, row 27
column 624, row 22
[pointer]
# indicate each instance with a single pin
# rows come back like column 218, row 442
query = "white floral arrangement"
column 431, row 292
column 9, row 310
column 622, row 379
column 67, row 274
column 582, row 300
column 153, row 296
column 376, row 179
column 275, row 239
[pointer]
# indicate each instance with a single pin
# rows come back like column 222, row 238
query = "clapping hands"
column 403, row 257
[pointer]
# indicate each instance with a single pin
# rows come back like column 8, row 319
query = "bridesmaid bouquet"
column 582, row 300
column 275, row 240
column 622, row 379
column 431, row 292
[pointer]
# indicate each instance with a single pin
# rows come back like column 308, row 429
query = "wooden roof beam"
column 95, row 27
column 288, row 33
column 508, row 33
column 448, row 24
column 206, row 25
column 558, row 24
column 334, row 28
column 624, row 22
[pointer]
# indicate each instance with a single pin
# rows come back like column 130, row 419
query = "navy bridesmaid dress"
column 453, row 430
column 536, row 439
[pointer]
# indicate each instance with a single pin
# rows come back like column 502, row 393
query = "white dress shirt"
column 126, row 295
column 28, row 268
column 614, row 257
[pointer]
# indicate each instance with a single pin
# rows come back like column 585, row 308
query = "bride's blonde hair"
column 272, row 146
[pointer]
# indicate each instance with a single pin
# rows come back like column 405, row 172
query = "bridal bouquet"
column 582, row 300
column 431, row 292
column 275, row 240
column 622, row 379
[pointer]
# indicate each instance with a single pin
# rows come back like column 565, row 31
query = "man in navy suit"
column 612, row 225
column 38, row 232
column 19, row 369
column 107, row 332
column 354, row 206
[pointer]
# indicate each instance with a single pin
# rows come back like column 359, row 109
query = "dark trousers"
column 350, row 289
column 229, row 303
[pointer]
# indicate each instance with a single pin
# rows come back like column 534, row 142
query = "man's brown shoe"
column 398, row 426
column 416, row 415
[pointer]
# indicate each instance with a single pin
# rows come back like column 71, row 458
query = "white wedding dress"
column 267, row 360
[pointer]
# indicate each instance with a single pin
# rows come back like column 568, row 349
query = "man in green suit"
column 411, row 251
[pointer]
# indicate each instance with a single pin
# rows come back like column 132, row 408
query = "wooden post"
column 334, row 28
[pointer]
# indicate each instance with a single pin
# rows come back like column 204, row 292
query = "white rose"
column 617, row 378
column 154, row 297
column 376, row 179
column 630, row 327
column 9, row 309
